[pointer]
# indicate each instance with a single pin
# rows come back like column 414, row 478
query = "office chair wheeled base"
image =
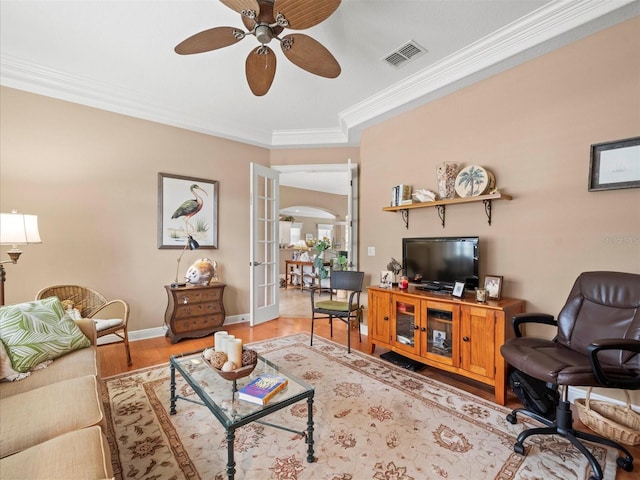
column 563, row 426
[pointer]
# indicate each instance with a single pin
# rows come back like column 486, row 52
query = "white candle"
column 234, row 351
column 218, row 341
column 225, row 342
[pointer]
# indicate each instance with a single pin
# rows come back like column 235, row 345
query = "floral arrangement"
column 318, row 262
column 322, row 245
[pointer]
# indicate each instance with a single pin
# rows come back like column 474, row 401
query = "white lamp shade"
column 18, row 229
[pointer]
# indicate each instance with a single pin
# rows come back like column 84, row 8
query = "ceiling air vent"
column 407, row 52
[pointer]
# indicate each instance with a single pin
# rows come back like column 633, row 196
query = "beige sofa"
column 52, row 422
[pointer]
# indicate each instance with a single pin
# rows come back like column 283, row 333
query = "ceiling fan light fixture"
column 266, row 20
column 263, row 34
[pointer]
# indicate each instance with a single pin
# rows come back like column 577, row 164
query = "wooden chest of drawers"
column 194, row 311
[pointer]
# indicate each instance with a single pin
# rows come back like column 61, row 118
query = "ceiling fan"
column 266, row 20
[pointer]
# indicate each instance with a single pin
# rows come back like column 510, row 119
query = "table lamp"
column 16, row 229
column 192, row 244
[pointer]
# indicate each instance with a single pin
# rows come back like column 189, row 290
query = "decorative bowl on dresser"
column 194, row 310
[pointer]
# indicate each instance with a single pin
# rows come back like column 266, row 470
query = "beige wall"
column 335, row 204
column 532, row 126
column 312, row 156
column 91, row 176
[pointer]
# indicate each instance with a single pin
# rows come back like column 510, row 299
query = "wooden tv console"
column 459, row 335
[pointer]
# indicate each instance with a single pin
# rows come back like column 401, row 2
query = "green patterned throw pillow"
column 36, row 331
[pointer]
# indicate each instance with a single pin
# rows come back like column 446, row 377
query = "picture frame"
column 177, row 192
column 493, row 285
column 615, row 165
column 439, row 337
column 458, row 289
column 386, row 278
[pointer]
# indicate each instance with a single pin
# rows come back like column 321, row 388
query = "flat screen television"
column 437, row 263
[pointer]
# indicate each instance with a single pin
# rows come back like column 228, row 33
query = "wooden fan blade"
column 208, row 40
column 303, row 14
column 260, row 69
column 310, row 55
column 240, row 5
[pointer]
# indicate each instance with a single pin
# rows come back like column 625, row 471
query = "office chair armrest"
column 521, row 318
column 630, row 345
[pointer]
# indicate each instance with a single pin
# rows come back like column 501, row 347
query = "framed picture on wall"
column 493, row 285
column 615, row 165
column 187, row 206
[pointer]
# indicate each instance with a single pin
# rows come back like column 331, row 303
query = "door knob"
column 465, row 339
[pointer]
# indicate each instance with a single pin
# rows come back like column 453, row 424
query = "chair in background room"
column 110, row 316
column 345, row 310
column 597, row 345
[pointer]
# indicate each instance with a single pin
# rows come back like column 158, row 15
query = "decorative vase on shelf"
column 446, row 173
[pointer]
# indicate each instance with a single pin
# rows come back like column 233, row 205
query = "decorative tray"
column 232, row 374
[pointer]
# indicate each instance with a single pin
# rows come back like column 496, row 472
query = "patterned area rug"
column 373, row 421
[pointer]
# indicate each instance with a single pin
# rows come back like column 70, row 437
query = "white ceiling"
column 118, row 56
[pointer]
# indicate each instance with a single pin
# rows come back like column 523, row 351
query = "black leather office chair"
column 597, row 345
column 333, row 308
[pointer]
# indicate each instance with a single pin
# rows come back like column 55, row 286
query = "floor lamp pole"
column 3, row 276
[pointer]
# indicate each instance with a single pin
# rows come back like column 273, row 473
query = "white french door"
column 264, row 260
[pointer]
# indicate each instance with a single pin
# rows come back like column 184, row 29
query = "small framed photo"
column 615, row 165
column 458, row 289
column 493, row 285
column 439, row 338
column 386, row 278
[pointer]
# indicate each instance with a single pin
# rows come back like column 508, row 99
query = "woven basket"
column 616, row 422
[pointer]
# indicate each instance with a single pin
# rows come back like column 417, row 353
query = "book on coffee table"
column 262, row 389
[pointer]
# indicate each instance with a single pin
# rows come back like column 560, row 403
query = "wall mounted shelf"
column 441, row 205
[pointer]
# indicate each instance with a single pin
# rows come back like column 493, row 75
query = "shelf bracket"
column 487, row 209
column 405, row 217
column 441, row 212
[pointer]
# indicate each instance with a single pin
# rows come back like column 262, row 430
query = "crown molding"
column 553, row 25
column 22, row 75
column 543, row 25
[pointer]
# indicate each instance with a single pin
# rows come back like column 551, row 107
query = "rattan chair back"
column 84, row 299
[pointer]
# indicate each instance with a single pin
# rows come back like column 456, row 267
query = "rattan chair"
column 110, row 316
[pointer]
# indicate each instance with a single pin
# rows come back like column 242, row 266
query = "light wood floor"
column 156, row 351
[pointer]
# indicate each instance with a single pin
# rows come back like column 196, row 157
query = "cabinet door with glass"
column 405, row 325
column 439, row 332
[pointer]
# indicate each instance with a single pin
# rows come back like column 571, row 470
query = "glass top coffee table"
column 220, row 397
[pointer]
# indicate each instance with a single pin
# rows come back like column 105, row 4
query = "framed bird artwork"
column 187, row 210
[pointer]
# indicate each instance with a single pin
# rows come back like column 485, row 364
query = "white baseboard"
column 155, row 332
column 135, row 335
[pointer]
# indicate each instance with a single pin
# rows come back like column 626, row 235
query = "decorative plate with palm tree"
column 472, row 181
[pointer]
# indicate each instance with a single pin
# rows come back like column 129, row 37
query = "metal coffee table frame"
column 219, row 396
